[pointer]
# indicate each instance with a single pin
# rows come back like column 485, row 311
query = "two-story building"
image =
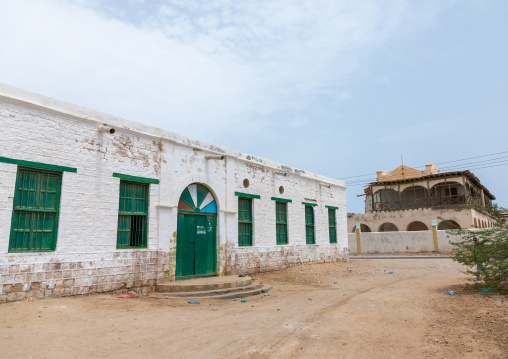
column 407, row 199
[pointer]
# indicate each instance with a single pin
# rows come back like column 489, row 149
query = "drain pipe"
column 106, row 129
column 214, row 157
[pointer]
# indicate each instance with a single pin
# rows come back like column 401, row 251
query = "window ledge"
column 32, row 252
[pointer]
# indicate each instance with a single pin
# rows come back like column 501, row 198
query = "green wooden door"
column 196, row 251
column 195, row 245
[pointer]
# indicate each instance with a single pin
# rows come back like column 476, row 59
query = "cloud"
column 205, row 69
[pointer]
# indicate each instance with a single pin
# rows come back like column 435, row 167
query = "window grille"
column 244, row 221
column 132, row 215
column 281, row 220
column 309, row 225
column 332, row 226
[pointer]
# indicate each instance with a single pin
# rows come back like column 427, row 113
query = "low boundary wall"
column 390, row 242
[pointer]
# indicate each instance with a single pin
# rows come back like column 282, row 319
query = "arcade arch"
column 388, row 227
column 417, row 226
column 448, row 224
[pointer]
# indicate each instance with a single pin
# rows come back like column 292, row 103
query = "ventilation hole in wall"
column 246, row 183
column 281, row 190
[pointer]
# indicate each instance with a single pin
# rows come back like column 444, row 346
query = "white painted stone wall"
column 400, row 242
column 40, row 129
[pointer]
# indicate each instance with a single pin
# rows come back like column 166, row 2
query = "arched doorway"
column 388, row 227
column 417, row 226
column 196, row 243
column 448, row 224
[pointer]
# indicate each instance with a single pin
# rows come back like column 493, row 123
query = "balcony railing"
column 455, row 200
column 447, row 200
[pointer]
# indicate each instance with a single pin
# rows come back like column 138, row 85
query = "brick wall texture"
column 86, row 259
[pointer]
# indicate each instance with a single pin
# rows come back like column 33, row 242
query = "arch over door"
column 196, row 249
column 197, row 198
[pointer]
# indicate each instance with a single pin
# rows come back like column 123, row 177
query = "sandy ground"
column 367, row 314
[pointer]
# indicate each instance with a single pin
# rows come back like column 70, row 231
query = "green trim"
column 37, row 165
column 282, row 200
column 331, row 207
column 183, row 211
column 135, row 178
column 310, row 204
column 247, row 195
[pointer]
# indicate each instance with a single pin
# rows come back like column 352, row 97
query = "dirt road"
column 367, row 314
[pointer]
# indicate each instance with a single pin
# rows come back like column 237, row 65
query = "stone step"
column 241, row 294
column 203, row 284
column 214, row 292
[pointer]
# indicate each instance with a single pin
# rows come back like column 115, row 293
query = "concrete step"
column 214, row 292
column 241, row 294
column 202, row 284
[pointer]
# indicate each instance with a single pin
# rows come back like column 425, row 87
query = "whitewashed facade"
column 86, row 259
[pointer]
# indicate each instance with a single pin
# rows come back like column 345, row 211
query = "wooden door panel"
column 189, row 244
column 196, row 245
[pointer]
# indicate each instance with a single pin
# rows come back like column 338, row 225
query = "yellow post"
column 358, row 244
column 434, row 232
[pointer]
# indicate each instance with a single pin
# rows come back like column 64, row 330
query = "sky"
column 338, row 88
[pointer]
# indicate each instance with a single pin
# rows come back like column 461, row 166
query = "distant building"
column 407, row 199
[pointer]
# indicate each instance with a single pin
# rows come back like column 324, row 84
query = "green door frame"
column 179, row 244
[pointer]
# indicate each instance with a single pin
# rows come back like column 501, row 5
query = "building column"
column 358, row 242
column 434, row 234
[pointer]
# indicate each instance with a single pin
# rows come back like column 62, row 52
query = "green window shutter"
column 132, row 215
column 244, row 221
column 332, row 226
column 35, row 213
column 281, row 220
column 124, row 231
column 309, row 225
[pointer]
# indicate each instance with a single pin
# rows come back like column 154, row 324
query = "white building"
column 90, row 202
